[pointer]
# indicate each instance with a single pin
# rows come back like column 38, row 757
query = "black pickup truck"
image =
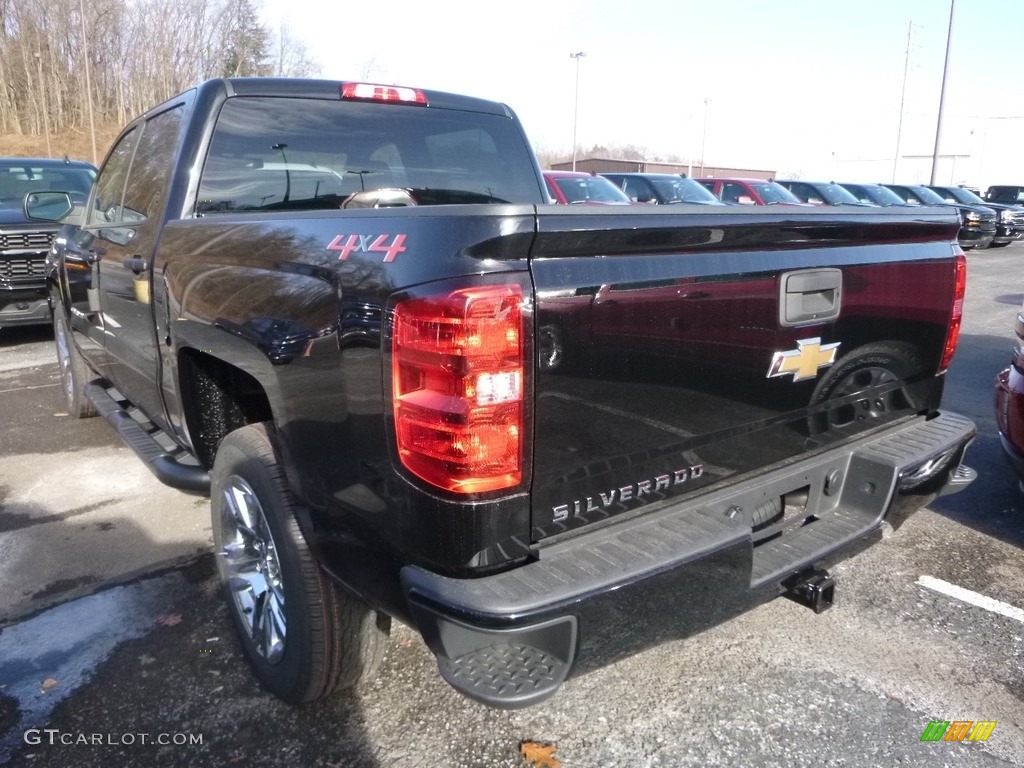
column 543, row 436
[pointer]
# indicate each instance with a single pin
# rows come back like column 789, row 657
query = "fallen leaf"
column 169, row 619
column 47, row 684
column 539, row 754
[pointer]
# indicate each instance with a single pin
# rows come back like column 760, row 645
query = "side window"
column 631, row 188
column 146, row 190
column 110, row 182
column 731, row 193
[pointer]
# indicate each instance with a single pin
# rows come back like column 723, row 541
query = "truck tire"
column 866, row 367
column 74, row 373
column 302, row 634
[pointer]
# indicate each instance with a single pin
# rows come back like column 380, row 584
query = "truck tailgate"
column 681, row 347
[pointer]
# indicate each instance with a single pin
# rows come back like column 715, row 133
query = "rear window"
column 303, row 154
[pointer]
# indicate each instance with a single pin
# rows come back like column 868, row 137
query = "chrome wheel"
column 64, row 359
column 251, row 569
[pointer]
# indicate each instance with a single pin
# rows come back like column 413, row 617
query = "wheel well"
column 927, row 338
column 217, row 398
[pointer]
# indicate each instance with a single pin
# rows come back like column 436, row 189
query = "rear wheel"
column 302, row 634
column 74, row 372
column 857, row 379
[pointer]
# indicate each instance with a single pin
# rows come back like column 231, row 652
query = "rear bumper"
column 511, row 639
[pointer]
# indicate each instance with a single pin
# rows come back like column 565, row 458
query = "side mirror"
column 117, row 235
column 745, row 200
column 48, row 206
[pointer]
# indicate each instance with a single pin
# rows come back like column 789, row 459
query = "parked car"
column 879, row 194
column 822, row 193
column 977, row 222
column 750, row 192
column 574, row 187
column 1005, row 194
column 1010, row 218
column 661, row 188
column 24, row 242
column 1009, row 403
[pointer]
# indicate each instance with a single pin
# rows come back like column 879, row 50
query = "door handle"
column 135, row 264
column 810, row 296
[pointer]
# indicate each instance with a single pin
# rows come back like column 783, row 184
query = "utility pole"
column 45, row 102
column 942, row 94
column 576, row 106
column 903, row 96
column 704, row 135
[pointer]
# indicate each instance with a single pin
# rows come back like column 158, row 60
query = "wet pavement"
column 154, row 659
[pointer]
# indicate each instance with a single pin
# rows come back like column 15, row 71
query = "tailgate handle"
column 810, row 296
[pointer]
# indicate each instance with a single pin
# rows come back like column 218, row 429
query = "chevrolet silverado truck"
column 543, row 436
column 24, row 241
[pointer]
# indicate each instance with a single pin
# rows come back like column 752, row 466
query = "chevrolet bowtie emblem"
column 804, row 362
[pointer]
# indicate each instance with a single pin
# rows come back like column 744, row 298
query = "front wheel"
column 302, row 634
column 74, row 372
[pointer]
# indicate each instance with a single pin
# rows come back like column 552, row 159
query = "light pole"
column 903, row 98
column 45, row 104
column 576, row 105
column 704, row 135
column 942, row 94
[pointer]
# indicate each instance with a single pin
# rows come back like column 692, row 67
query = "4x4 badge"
column 805, row 361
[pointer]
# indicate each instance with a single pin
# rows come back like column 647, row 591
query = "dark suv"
column 977, row 222
column 1010, row 221
column 24, row 242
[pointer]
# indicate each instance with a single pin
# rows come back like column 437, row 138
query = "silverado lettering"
column 635, row 490
column 390, row 439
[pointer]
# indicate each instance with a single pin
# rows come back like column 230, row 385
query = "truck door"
column 125, row 231
column 86, row 318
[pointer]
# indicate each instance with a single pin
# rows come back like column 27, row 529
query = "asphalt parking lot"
column 114, row 637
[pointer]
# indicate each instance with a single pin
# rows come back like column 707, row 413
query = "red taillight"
column 957, row 314
column 374, row 92
column 457, row 373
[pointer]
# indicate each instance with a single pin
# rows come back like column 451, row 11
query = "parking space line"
column 25, row 389
column 967, row 596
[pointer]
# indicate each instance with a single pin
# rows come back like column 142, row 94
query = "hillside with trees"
column 68, row 66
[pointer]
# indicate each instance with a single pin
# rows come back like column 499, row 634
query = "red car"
column 574, row 187
column 1010, row 404
column 751, row 192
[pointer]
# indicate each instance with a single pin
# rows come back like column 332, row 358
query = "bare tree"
column 140, row 52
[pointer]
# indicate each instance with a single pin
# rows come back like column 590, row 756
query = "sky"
column 808, row 88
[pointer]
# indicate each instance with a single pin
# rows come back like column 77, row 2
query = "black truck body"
column 543, row 436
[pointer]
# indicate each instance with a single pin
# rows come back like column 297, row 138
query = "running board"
column 165, row 463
